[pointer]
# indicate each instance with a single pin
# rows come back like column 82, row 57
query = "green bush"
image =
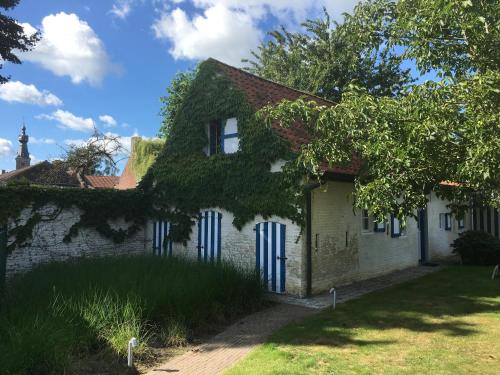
column 478, row 248
column 65, row 310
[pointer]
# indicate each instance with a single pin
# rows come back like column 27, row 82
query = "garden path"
column 231, row 345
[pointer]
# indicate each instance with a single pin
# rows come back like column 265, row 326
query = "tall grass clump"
column 62, row 311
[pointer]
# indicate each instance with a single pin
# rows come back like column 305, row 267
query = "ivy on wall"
column 97, row 208
column 145, row 154
column 185, row 180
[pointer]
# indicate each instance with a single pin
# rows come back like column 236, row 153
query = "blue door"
column 209, row 236
column 270, row 255
column 161, row 245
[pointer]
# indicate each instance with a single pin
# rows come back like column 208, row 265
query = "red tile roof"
column 102, row 182
column 127, row 179
column 261, row 92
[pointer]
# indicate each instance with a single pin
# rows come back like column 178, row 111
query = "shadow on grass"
column 434, row 303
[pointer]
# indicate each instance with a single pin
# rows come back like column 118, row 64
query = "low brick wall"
column 47, row 243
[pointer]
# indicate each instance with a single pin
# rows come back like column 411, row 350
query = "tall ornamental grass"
column 65, row 310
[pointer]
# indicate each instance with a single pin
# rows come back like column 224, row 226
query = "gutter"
column 308, row 189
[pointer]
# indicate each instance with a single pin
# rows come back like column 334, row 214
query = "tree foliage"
column 437, row 131
column 177, row 90
column 12, row 37
column 325, row 57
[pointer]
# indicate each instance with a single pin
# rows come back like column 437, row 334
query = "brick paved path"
column 228, row 347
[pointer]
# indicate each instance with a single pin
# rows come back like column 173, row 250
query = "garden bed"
column 63, row 315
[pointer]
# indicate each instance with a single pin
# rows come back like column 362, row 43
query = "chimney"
column 133, row 144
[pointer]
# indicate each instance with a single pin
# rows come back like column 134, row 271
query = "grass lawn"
column 64, row 314
column 444, row 323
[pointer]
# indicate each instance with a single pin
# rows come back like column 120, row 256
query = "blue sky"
column 106, row 63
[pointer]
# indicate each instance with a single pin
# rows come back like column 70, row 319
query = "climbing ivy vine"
column 185, row 180
column 97, row 208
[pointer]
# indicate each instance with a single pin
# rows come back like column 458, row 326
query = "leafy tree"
column 326, row 57
column 173, row 101
column 12, row 37
column 437, row 131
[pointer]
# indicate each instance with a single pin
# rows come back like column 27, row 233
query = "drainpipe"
column 308, row 193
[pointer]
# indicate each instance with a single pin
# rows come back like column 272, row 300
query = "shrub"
column 62, row 310
column 476, row 247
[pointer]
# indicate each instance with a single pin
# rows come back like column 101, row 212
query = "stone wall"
column 47, row 244
column 342, row 252
column 239, row 247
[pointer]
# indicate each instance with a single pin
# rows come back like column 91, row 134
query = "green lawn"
column 444, row 323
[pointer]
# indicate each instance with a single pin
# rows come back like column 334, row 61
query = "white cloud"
column 42, row 141
column 6, row 148
column 15, row 91
column 220, row 32
column 121, row 8
column 68, row 120
column 229, row 29
column 108, row 121
column 70, row 47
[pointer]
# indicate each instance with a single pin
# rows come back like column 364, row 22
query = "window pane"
column 231, row 126
column 231, row 145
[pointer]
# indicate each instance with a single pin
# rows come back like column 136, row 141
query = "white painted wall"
column 47, row 244
column 365, row 254
column 239, row 247
column 440, row 238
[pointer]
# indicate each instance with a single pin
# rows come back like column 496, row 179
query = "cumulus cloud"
column 70, row 47
column 229, row 29
column 16, row 91
column 68, row 120
column 108, row 121
column 6, row 148
column 219, row 32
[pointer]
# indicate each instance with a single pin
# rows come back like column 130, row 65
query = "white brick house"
column 337, row 245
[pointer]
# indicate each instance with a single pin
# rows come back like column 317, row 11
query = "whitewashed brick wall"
column 238, row 247
column 366, row 254
column 439, row 238
column 47, row 244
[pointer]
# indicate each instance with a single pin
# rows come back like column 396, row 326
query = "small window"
column 461, row 222
column 231, row 141
column 379, row 227
column 365, row 221
column 445, row 221
column 395, row 226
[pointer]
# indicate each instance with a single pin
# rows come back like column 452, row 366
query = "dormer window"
column 223, row 137
column 231, row 140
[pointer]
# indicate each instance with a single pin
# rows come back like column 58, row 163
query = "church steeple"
column 23, row 155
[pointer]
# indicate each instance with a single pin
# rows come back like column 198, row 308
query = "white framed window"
column 365, row 221
column 395, row 226
column 461, row 222
column 230, row 136
column 445, row 221
column 379, row 227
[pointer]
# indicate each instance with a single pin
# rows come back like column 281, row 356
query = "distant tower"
column 23, row 156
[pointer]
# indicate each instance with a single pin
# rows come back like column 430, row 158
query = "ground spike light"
column 131, row 345
column 334, row 292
